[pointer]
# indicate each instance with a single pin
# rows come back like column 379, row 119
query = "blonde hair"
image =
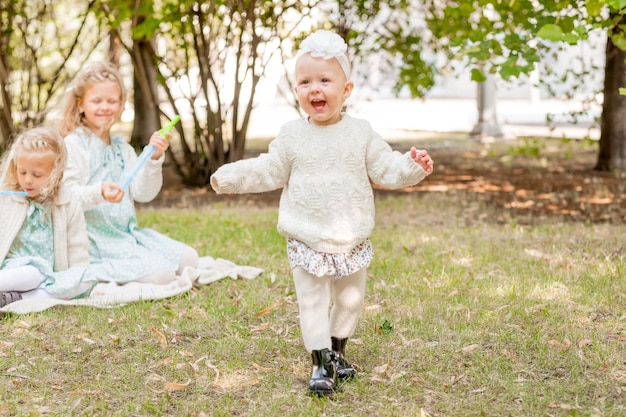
column 37, row 139
column 95, row 72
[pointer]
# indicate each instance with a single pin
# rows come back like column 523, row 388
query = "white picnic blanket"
column 112, row 294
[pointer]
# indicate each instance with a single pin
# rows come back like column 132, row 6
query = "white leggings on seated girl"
column 26, row 280
column 188, row 258
column 315, row 295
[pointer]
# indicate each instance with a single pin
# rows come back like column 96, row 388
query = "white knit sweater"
column 325, row 171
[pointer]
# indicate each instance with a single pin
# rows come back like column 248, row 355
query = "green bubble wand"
column 129, row 175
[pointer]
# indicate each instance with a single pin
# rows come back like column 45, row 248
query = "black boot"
column 345, row 370
column 324, row 376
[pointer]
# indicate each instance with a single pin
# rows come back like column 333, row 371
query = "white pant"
column 315, row 294
column 26, row 280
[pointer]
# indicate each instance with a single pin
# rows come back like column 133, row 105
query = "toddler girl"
column 43, row 244
column 120, row 251
column 324, row 163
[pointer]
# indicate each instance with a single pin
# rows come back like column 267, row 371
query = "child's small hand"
column 160, row 143
column 112, row 192
column 421, row 157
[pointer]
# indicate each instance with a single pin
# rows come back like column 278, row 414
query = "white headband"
column 327, row 45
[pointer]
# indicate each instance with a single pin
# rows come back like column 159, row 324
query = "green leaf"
column 567, row 24
column 510, row 69
column 571, row 39
column 385, row 327
column 555, row 33
column 478, row 75
column 616, row 4
column 551, row 32
column 622, row 91
column 594, row 7
column 619, row 40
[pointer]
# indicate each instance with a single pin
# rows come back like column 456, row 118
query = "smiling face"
column 322, row 88
column 102, row 106
column 33, row 170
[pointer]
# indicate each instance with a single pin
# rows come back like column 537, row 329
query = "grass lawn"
column 464, row 316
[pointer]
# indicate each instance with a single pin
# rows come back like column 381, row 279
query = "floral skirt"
column 333, row 264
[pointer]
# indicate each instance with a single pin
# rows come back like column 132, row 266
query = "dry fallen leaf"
column 161, row 337
column 261, row 368
column 212, row 367
column 269, row 309
column 470, row 348
column 84, row 393
column 154, row 377
column 510, row 355
column 566, row 345
column 562, row 406
column 534, row 253
column 168, row 386
column 176, row 386
column 406, row 342
column 84, row 338
column 382, row 369
column 260, row 327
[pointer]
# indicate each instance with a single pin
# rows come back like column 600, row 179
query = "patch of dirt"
column 559, row 184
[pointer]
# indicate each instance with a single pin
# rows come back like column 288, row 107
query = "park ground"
column 497, row 290
column 531, row 179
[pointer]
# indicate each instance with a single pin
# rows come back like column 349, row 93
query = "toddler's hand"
column 160, row 143
column 421, row 157
column 112, row 192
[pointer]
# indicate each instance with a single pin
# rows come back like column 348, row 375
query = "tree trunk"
column 487, row 128
column 115, row 48
column 6, row 120
column 145, row 88
column 612, row 152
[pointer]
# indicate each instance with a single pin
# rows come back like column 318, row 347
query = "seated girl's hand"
column 421, row 157
column 160, row 143
column 112, row 192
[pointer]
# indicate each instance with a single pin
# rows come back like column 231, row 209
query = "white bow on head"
column 327, row 45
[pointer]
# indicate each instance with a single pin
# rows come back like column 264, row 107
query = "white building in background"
column 522, row 106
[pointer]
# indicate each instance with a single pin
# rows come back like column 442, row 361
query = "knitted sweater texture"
column 325, row 172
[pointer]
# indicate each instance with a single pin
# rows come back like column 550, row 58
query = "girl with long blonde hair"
column 43, row 244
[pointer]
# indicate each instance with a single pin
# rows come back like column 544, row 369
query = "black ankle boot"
column 345, row 370
column 324, row 376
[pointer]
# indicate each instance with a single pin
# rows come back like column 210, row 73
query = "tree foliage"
column 208, row 58
column 511, row 38
column 43, row 43
column 204, row 60
column 387, row 39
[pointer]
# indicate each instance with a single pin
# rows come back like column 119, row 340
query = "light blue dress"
column 34, row 246
column 119, row 250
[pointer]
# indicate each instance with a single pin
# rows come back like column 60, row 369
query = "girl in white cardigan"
column 43, row 244
column 119, row 249
column 324, row 163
